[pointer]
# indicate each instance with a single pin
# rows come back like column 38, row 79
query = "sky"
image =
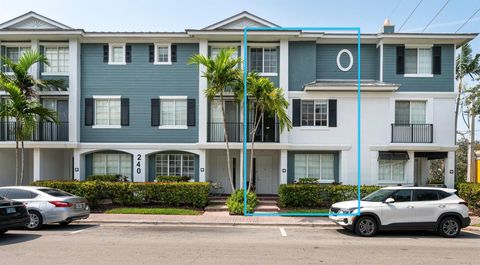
column 178, row 15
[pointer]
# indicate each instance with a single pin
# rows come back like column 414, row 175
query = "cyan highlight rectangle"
column 245, row 112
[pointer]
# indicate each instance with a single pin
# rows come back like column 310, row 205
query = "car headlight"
column 347, row 211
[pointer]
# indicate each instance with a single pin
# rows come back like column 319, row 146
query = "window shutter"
column 125, row 112
column 332, row 113
column 128, row 53
column 191, row 112
column 105, row 53
column 437, row 60
column 400, row 60
column 89, row 103
column 42, row 65
column 297, row 103
column 155, row 104
column 151, row 53
column 174, row 53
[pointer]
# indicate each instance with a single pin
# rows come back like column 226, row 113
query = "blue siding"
column 327, row 61
column 302, row 65
column 140, row 81
column 291, row 164
column 438, row 83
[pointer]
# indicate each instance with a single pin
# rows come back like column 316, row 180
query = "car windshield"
column 56, row 193
column 378, row 195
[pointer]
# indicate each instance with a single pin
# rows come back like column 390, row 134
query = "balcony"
column 43, row 131
column 266, row 133
column 412, row 133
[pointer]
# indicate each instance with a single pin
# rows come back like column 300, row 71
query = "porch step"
column 217, row 201
column 267, row 208
column 267, row 202
column 216, row 208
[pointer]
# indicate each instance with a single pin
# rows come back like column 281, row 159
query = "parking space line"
column 282, row 231
column 81, row 230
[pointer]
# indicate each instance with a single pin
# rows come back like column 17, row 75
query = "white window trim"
column 15, row 44
column 110, row 53
column 55, row 45
column 427, row 105
column 263, row 47
column 95, row 126
column 417, row 47
column 313, row 127
column 387, row 182
column 170, row 127
column 155, row 52
column 319, row 178
column 168, row 163
column 105, row 168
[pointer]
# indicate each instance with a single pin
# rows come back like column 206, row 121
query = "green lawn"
column 306, row 211
column 166, row 211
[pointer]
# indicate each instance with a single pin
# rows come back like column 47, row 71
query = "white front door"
column 266, row 182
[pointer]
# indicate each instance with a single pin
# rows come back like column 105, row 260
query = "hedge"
column 318, row 195
column 470, row 192
column 189, row 194
column 104, row 177
column 235, row 202
column 172, row 178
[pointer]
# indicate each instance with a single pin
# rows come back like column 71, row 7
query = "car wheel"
column 449, row 227
column 36, row 220
column 366, row 226
column 64, row 223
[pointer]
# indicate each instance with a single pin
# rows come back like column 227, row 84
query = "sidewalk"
column 208, row 218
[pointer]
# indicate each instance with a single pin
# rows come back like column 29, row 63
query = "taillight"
column 464, row 203
column 61, row 204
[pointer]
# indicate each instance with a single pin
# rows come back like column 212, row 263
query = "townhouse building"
column 131, row 104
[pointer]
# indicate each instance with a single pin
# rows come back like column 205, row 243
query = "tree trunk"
column 225, row 135
column 457, row 107
column 23, row 163
column 252, row 135
column 471, row 176
column 16, row 155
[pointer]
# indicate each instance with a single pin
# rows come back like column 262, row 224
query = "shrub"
column 189, row 194
column 470, row 192
column 318, row 195
column 172, row 179
column 105, row 178
column 235, row 202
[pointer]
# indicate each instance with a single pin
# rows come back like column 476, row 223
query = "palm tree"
column 267, row 100
column 222, row 72
column 466, row 65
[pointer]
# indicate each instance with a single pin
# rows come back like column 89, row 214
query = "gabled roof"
column 240, row 21
column 32, row 20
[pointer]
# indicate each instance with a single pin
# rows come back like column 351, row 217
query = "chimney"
column 388, row 27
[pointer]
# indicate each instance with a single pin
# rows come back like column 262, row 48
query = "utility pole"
column 471, row 164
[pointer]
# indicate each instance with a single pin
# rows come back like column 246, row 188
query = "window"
column 107, row 112
column 320, row 166
column 402, row 196
column 175, row 165
column 264, row 60
column 117, row 54
column 425, row 195
column 162, row 54
column 391, row 171
column 57, row 59
column 17, row 194
column 214, row 51
column 410, row 112
column 14, row 54
column 173, row 112
column 112, row 164
column 314, row 112
column 418, row 61
column 56, row 193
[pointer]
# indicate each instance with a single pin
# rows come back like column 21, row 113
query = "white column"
column 450, row 170
column 37, row 164
column 74, row 91
column 410, row 168
column 34, row 70
column 202, row 164
column 241, row 168
column 202, row 100
column 283, row 166
column 140, row 168
column 284, row 79
column 381, row 61
column 78, row 165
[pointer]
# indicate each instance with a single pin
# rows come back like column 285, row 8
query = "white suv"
column 436, row 209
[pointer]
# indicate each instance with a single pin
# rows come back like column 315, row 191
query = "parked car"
column 47, row 205
column 12, row 215
column 399, row 208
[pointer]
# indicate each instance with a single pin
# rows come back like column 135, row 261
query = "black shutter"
column 105, row 53
column 297, row 103
column 400, row 60
column 125, row 112
column 128, row 53
column 332, row 113
column 191, row 112
column 151, row 53
column 437, row 60
column 42, row 65
column 155, row 112
column 89, row 103
column 174, row 53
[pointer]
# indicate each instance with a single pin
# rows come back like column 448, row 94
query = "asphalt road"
column 156, row 244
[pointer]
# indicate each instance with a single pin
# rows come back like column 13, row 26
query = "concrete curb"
column 204, row 223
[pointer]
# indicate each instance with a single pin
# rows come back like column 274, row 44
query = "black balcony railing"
column 266, row 133
column 43, row 131
column 412, row 133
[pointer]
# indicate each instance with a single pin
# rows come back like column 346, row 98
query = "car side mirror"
column 389, row 200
